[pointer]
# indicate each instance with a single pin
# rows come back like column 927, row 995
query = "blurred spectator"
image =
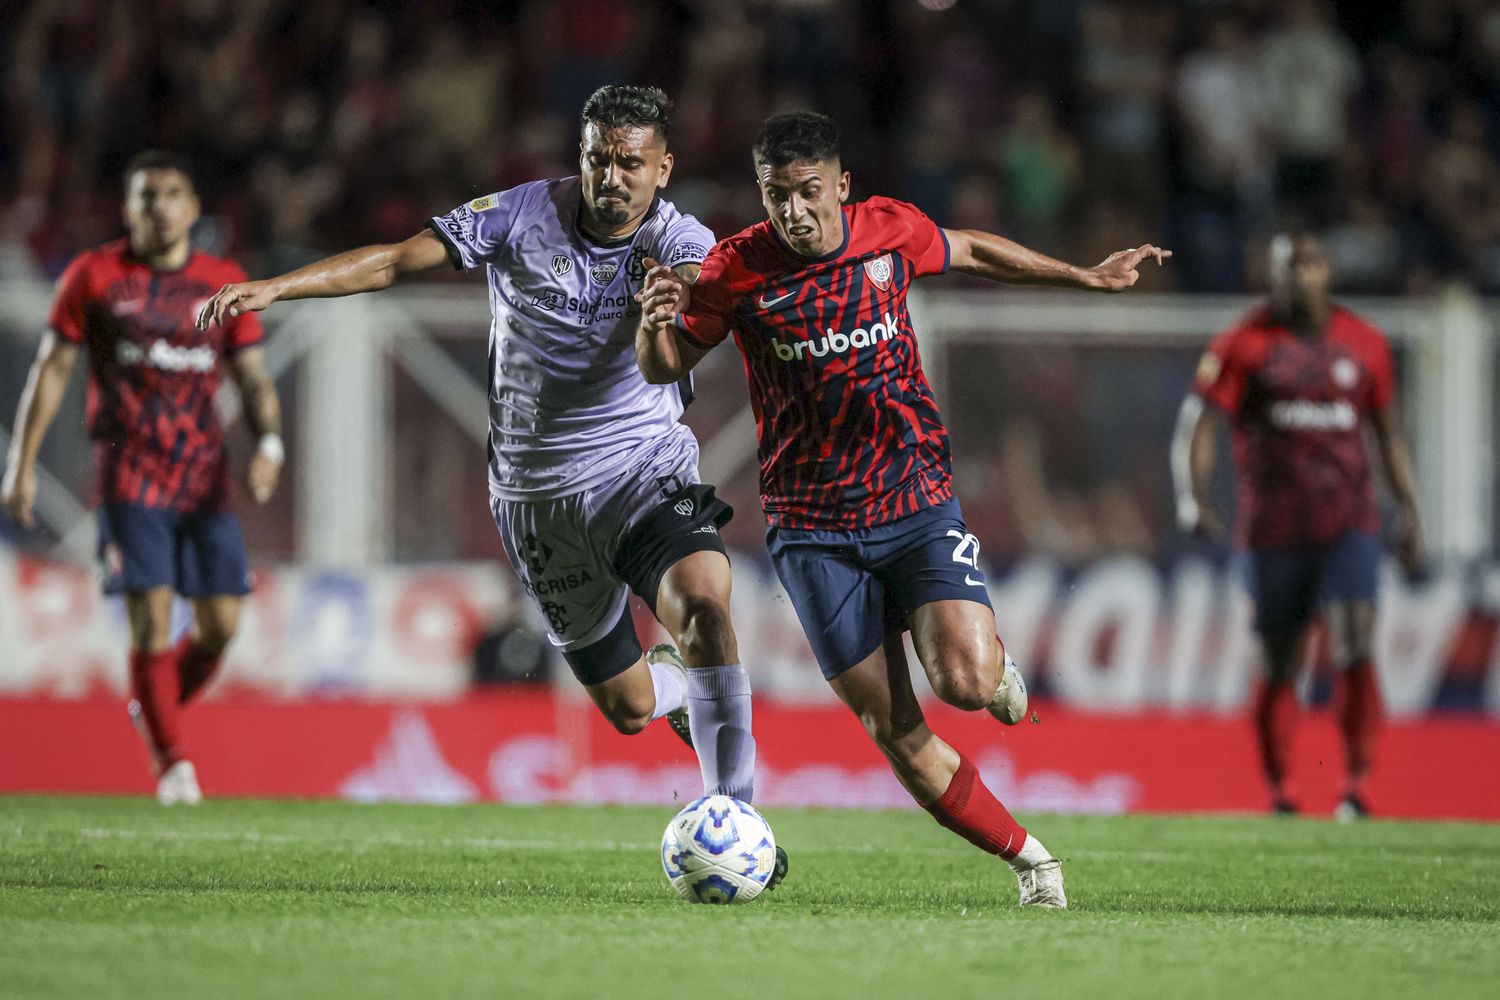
column 1312, row 74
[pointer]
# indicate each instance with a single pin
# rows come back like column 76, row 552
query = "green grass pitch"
column 109, row 897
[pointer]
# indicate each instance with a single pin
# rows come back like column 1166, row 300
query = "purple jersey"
column 568, row 406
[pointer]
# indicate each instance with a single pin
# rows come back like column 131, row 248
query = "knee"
column 966, row 679
column 626, row 715
column 706, row 636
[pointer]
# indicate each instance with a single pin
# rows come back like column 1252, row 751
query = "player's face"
column 1300, row 272
column 805, row 203
column 621, row 169
column 160, row 209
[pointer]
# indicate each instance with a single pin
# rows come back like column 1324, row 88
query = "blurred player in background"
column 162, row 476
column 1300, row 380
column 593, row 480
column 856, row 475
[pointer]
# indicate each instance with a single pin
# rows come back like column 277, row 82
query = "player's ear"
column 843, row 187
column 667, row 161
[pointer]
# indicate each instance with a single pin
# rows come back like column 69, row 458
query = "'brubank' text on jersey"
column 850, row 436
column 568, row 406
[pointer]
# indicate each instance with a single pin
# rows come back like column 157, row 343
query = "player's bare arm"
column 1193, row 451
column 660, row 350
column 985, row 255
column 366, row 269
column 45, row 386
column 1401, row 479
column 263, row 411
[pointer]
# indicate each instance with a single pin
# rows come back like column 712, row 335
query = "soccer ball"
column 718, row 850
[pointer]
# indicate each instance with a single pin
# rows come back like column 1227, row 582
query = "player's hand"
column 262, row 477
column 1119, row 270
column 1410, row 551
column 232, row 300
column 18, row 495
column 664, row 294
column 1205, row 523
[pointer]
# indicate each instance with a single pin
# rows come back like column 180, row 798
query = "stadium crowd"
column 1071, row 124
column 1077, row 126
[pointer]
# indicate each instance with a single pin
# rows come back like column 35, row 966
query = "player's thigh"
column 137, row 548
column 841, row 605
column 956, row 644
column 210, row 555
column 934, row 577
column 671, row 555
column 1348, row 589
column 582, row 601
column 878, row 690
column 1284, row 588
column 216, row 619
column 626, row 698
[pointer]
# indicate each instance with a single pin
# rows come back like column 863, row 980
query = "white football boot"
column 1039, row 876
column 1010, row 701
column 178, row 785
column 666, row 655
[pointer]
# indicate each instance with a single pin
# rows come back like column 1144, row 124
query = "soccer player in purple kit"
column 593, row 478
column 161, row 472
column 856, row 479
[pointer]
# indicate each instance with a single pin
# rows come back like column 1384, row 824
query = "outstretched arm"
column 263, row 412
column 367, row 269
column 662, row 353
column 986, row 255
column 1395, row 459
column 1193, row 450
column 55, row 359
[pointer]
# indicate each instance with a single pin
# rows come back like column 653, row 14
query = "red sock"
column 970, row 810
column 154, row 683
column 1356, row 699
column 1275, row 712
column 195, row 668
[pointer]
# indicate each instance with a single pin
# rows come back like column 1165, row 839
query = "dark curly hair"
column 796, row 137
column 156, row 159
column 616, row 104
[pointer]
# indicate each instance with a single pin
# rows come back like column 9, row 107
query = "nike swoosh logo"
column 766, row 303
column 973, row 582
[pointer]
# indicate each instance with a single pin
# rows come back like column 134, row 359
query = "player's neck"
column 170, row 258
column 604, row 233
column 1306, row 320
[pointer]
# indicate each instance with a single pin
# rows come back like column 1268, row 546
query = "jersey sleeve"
column 476, row 231
column 244, row 330
column 69, row 306
column 1221, row 374
column 916, row 237
column 710, row 313
column 1382, row 372
column 685, row 241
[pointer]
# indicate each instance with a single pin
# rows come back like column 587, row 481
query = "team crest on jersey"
column 604, row 273
column 1345, row 373
column 635, row 265
column 561, row 264
column 879, row 271
column 684, row 506
column 481, row 204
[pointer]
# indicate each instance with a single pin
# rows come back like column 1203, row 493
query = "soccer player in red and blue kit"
column 162, row 477
column 856, row 477
column 1301, row 380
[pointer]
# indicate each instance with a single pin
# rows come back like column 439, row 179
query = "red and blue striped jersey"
column 850, row 436
column 153, row 375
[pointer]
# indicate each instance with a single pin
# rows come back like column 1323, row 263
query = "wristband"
column 271, row 447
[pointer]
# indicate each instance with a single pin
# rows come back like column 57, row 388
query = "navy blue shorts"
column 853, row 588
column 197, row 553
column 1290, row 585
